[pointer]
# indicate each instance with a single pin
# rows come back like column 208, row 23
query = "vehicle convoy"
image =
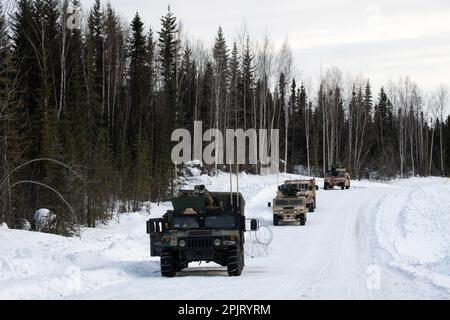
column 203, row 226
column 338, row 177
column 306, row 188
column 289, row 205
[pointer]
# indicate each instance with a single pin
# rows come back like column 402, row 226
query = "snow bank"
column 36, row 265
column 413, row 226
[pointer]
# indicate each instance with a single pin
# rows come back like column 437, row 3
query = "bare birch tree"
column 440, row 101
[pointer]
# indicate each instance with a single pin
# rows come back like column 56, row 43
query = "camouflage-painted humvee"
column 203, row 226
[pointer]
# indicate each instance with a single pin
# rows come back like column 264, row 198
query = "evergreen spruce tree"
column 293, row 128
column 168, row 114
column 248, row 87
column 235, row 88
column 221, row 77
column 12, row 129
column 139, row 86
column 188, row 80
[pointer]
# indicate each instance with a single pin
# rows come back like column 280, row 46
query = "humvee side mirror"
column 254, row 224
column 317, row 187
column 150, row 227
column 154, row 225
column 269, row 204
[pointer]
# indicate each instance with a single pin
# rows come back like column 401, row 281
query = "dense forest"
column 86, row 114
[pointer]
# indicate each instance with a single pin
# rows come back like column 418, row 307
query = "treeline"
column 87, row 113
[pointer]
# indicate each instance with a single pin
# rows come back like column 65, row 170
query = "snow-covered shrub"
column 3, row 226
column 44, row 219
column 25, row 225
column 193, row 168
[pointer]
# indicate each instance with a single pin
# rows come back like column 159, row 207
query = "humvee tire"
column 275, row 219
column 167, row 264
column 311, row 207
column 302, row 219
column 325, row 186
column 342, row 187
column 348, row 187
column 235, row 262
column 180, row 266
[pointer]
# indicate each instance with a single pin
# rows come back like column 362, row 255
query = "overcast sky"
column 380, row 39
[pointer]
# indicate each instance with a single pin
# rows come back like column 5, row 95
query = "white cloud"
column 379, row 38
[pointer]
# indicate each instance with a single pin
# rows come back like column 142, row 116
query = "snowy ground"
column 374, row 241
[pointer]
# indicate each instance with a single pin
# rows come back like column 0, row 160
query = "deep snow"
column 374, row 241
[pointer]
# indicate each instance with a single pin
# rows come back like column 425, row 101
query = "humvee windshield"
column 341, row 175
column 288, row 202
column 185, row 222
column 222, row 221
column 296, row 186
column 219, row 221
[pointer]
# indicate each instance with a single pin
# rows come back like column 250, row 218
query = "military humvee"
column 307, row 188
column 289, row 205
column 203, row 226
column 337, row 177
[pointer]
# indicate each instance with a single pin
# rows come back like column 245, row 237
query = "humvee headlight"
column 182, row 243
column 217, row 242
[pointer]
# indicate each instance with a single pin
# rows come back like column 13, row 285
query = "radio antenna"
column 237, row 184
column 231, row 183
column 278, row 174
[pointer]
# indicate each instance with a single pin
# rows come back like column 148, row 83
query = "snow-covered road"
column 374, row 241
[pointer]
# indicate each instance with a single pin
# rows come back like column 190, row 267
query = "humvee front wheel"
column 302, row 219
column 235, row 262
column 311, row 207
column 275, row 219
column 325, row 186
column 167, row 264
